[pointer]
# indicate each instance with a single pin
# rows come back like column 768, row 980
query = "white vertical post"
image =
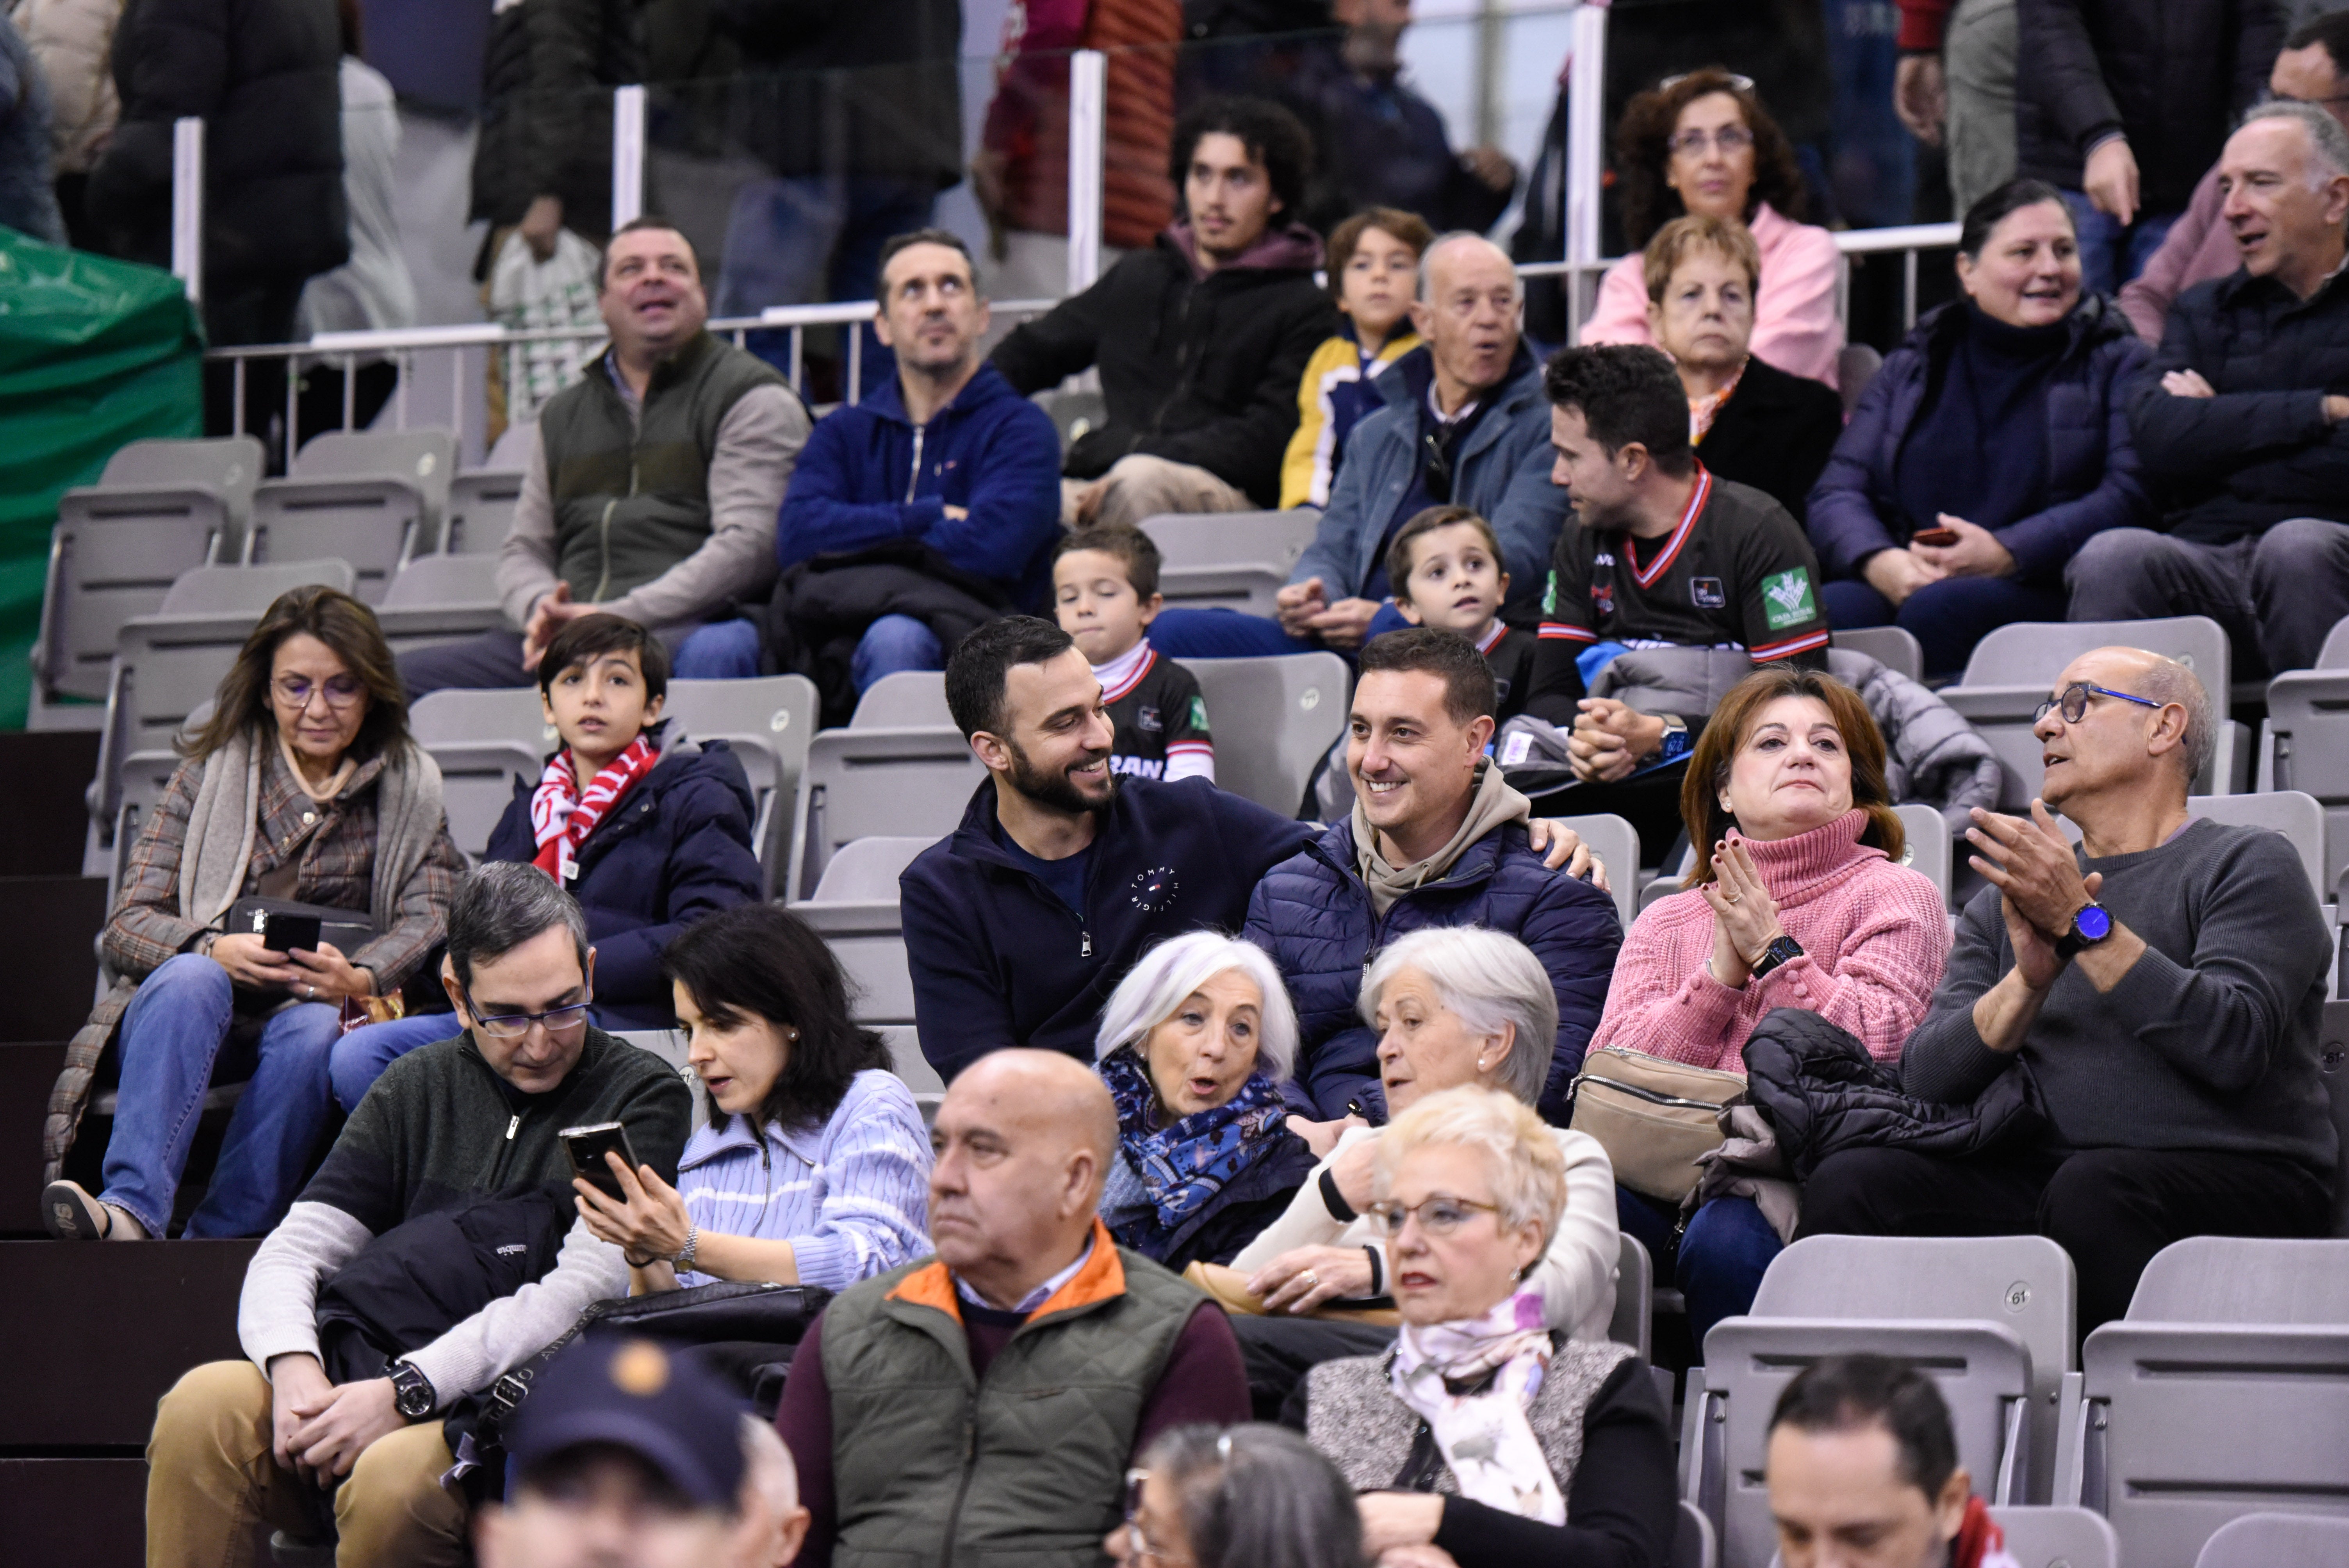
column 188, row 205
column 1087, row 130
column 628, row 154
column 1586, row 152
column 1491, row 48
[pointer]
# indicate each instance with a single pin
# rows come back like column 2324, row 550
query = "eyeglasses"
column 295, row 691
column 1438, row 1216
column 2074, row 702
column 514, row 1026
column 1731, row 138
column 1144, row 1550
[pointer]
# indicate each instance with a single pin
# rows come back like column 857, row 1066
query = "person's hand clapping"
column 1744, row 916
column 650, row 1225
column 2031, row 864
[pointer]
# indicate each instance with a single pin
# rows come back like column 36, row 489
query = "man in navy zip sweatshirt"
column 1020, row 923
column 948, row 456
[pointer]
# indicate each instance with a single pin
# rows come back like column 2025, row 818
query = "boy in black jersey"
column 1445, row 568
column 1105, row 594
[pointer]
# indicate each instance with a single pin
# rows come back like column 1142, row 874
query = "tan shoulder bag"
column 1652, row 1117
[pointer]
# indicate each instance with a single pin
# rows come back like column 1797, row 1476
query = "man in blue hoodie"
column 946, row 457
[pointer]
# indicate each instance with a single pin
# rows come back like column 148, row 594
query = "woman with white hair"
column 1453, row 1006
column 1485, row 1435
column 1193, row 1045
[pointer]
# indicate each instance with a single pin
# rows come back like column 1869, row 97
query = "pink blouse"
column 1874, row 937
column 1794, row 322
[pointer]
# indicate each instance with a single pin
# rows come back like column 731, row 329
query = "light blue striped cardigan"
column 851, row 1196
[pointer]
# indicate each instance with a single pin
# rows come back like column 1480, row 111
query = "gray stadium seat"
column 232, row 465
column 863, row 782
column 1693, row 1544
column 2219, row 1395
column 1990, row 1318
column 1635, row 1277
column 1617, row 844
column 1232, row 560
column 1890, row 647
column 425, row 458
column 435, row 598
column 1073, row 413
column 2292, row 812
column 668, row 1045
column 1929, row 850
column 768, row 722
column 1274, row 719
column 2014, row 670
column 498, row 715
column 481, row 511
column 2276, row 1540
column 2304, row 746
column 371, row 498
column 906, row 700
column 2058, row 1537
column 905, row 1059
column 485, row 742
column 866, row 869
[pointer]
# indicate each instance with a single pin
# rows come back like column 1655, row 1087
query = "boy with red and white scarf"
column 647, row 830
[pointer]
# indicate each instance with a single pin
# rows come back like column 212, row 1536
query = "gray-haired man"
column 2241, row 418
column 237, row 1441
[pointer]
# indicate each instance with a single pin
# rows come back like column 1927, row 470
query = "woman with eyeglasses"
column 814, row 1166
column 1487, row 1437
column 1990, row 447
column 302, row 785
column 1254, row 1496
column 1703, row 144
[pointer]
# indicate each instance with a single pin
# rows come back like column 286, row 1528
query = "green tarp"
column 93, row 353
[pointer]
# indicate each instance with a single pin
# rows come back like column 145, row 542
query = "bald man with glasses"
column 2163, row 983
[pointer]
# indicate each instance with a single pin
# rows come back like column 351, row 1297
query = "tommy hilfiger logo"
column 1154, row 890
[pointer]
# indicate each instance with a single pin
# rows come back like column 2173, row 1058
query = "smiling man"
column 2241, row 418
column 2163, row 984
column 651, row 488
column 238, row 1442
column 1435, row 839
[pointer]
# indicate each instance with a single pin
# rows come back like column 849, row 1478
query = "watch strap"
column 412, row 1391
column 1783, row 950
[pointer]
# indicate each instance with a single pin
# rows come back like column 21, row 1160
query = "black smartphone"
column 587, row 1146
column 284, row 933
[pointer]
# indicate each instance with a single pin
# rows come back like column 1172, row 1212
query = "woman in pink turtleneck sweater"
column 1786, row 801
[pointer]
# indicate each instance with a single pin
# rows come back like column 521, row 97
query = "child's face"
column 598, row 705
column 1381, row 277
column 1096, row 604
column 1455, row 581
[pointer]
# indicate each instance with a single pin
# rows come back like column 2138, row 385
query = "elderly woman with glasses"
column 1703, row 144
column 1193, row 1045
column 1453, row 1006
column 814, row 1167
column 1254, row 1496
column 1486, row 1436
column 303, row 786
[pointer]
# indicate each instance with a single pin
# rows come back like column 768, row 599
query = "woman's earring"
column 1724, row 803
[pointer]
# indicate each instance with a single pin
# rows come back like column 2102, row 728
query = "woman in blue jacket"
column 1990, row 445
column 648, row 834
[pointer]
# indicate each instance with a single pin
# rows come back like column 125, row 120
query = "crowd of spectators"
column 1245, row 1115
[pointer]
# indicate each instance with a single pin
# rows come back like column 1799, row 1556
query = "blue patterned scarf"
column 1181, row 1167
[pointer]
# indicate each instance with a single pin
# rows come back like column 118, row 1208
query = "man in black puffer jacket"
column 543, row 161
column 1202, row 339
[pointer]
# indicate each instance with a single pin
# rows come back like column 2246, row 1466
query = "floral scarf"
column 1485, row 1437
column 562, row 815
column 1178, row 1169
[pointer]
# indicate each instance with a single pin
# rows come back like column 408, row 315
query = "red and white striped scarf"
column 562, row 816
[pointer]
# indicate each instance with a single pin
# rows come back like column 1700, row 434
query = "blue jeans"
column 892, row 644
column 1221, row 634
column 720, row 651
column 172, row 1034
column 358, row 1059
column 2111, row 255
column 1718, row 1262
column 1947, row 618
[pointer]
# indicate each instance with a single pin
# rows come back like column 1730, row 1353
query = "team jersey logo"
column 1147, row 718
column 1550, row 596
column 1787, row 598
column 1152, row 890
column 1199, row 714
column 1705, row 593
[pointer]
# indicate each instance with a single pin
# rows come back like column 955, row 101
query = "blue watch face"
column 2093, row 924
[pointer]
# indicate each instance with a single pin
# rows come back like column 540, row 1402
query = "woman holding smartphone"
column 814, row 1166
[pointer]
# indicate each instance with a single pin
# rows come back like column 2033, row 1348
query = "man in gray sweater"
column 2164, row 986
column 237, row 1442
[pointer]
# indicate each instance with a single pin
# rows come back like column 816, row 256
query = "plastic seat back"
column 2058, row 1537
column 2294, row 814
column 768, row 722
column 1190, row 540
column 514, row 714
column 481, row 511
column 906, row 699
column 861, row 783
column 1928, row 850
column 866, row 871
column 114, row 555
column 1617, row 844
column 1894, row 647
column 1635, row 1280
column 376, row 524
column 424, row 458
column 1274, row 720
column 869, row 940
column 2276, row 1540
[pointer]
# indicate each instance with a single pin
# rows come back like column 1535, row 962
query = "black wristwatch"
column 2090, row 926
column 413, row 1391
column 1782, row 949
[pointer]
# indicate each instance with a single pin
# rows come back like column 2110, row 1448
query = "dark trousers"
column 257, row 313
column 1718, row 1263
column 2277, row 594
column 1947, row 618
column 2111, row 1209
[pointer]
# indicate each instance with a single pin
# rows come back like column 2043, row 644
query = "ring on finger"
column 1311, row 1281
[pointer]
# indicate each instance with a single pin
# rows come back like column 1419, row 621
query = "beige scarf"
column 1494, row 805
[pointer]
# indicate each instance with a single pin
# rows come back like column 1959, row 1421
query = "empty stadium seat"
column 1693, row 1544
column 1073, row 413
column 437, row 598
column 1891, row 646
column 1230, row 560
column 486, row 743
column 2014, row 670
column 855, row 910
column 867, row 870
column 861, row 783
column 2276, row 1540
column 768, row 721
column 1989, row 1318
column 2058, row 1537
column 1635, row 1278
column 371, row 498
column 1274, row 719
column 2304, row 744
column 2219, row 1395
column 1617, row 844
column 481, row 511
column 1929, row 847
column 908, row 699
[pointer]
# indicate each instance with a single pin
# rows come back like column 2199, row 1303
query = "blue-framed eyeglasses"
column 2074, row 702
column 514, row 1026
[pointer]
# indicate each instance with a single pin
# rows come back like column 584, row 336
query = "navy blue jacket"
column 999, row 960
column 1312, row 913
column 678, row 847
column 990, row 450
column 2094, row 479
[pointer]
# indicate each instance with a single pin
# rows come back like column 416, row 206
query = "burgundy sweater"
column 1874, row 937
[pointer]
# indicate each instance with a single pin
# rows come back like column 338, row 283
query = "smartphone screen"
column 587, row 1145
column 284, row 933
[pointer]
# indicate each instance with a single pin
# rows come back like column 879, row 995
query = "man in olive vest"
column 652, row 486
column 1070, row 1353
